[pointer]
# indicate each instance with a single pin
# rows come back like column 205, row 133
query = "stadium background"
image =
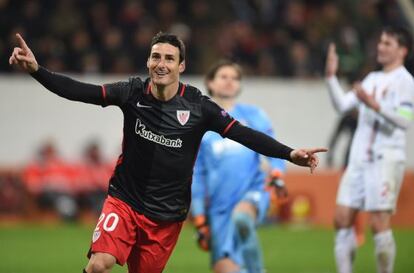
column 281, row 46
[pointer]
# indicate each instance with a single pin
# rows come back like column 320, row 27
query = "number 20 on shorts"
column 110, row 221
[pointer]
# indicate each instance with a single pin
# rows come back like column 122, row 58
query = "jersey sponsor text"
column 159, row 139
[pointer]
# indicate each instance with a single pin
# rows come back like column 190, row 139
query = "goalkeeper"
column 228, row 191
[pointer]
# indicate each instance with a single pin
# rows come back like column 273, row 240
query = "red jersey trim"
column 104, row 92
column 120, row 159
column 148, row 88
column 228, row 127
column 182, row 89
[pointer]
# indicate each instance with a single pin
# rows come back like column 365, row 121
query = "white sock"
column 345, row 246
column 385, row 251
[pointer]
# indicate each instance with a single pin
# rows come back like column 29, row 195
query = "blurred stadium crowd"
column 50, row 183
column 284, row 38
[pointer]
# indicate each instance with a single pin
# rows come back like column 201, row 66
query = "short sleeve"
column 217, row 119
column 118, row 93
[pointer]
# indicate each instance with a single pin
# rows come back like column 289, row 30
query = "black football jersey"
column 161, row 139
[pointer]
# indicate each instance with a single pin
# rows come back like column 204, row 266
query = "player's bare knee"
column 340, row 222
column 344, row 217
column 98, row 267
column 380, row 222
column 100, row 263
column 225, row 265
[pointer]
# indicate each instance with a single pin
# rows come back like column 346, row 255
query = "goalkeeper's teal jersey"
column 225, row 170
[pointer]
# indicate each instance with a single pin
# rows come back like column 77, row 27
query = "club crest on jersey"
column 96, row 236
column 183, row 116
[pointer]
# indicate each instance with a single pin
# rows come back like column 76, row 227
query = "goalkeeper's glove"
column 278, row 184
column 203, row 232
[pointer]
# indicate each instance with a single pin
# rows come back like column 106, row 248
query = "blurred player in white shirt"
column 373, row 178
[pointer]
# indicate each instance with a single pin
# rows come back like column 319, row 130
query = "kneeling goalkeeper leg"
column 248, row 241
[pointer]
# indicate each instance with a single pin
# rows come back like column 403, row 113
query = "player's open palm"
column 23, row 56
column 331, row 66
column 306, row 157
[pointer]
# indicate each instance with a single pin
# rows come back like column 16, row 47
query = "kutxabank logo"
column 140, row 130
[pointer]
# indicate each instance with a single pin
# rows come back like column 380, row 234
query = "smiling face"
column 389, row 51
column 226, row 82
column 164, row 65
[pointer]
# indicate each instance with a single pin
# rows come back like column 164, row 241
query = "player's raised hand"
column 306, row 157
column 331, row 66
column 363, row 96
column 23, row 56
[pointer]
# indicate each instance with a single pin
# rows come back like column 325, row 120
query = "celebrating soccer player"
column 164, row 120
column 373, row 178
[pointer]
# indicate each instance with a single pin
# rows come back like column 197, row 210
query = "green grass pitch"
column 62, row 248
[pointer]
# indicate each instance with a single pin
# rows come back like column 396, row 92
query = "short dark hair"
column 162, row 37
column 211, row 73
column 402, row 35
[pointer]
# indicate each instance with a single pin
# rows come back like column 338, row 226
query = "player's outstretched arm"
column 61, row 85
column 307, row 157
column 265, row 145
